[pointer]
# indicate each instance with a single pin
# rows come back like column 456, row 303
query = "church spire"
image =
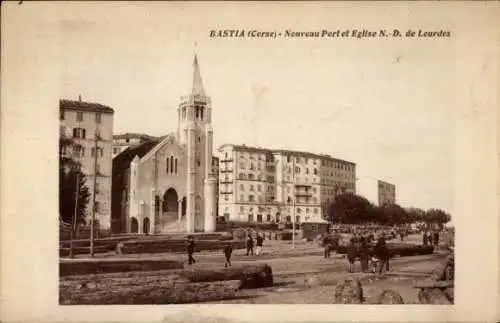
column 197, row 82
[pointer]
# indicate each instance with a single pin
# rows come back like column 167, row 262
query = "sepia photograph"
column 191, row 172
column 249, row 161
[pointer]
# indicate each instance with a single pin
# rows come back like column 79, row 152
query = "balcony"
column 229, row 160
column 225, row 170
column 303, row 185
column 226, row 181
column 228, row 192
column 303, row 194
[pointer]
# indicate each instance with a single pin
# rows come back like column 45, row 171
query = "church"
column 168, row 184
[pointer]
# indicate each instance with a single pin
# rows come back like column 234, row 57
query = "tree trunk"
column 253, row 276
column 433, row 296
column 349, row 291
column 143, row 292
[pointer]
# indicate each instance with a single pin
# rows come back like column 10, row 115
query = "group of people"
column 430, row 238
column 358, row 248
column 228, row 248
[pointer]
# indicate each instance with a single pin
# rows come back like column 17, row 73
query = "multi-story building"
column 90, row 128
column 265, row 185
column 377, row 191
column 126, row 140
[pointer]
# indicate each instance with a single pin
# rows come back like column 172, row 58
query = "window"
column 198, row 162
column 226, row 197
column 250, row 218
column 78, row 151
column 79, row 133
column 96, row 206
column 297, row 219
column 61, row 114
column 251, row 198
column 258, row 188
column 242, row 198
column 242, row 187
column 299, row 210
column 201, row 113
column 241, row 176
column 242, row 209
column 288, row 189
column 251, row 166
column 98, row 117
column 115, row 150
column 171, row 164
column 79, row 116
column 175, row 164
column 315, row 171
column 259, row 218
column 268, row 218
column 288, row 219
column 99, row 152
column 250, row 176
column 297, row 160
column 242, row 166
column 97, row 187
column 168, row 163
column 307, row 170
column 315, row 210
column 289, row 200
column 183, row 113
column 251, row 188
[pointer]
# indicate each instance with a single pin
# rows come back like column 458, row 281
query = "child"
column 228, row 250
column 351, row 254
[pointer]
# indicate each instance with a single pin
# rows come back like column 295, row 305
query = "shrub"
column 84, row 267
column 349, row 291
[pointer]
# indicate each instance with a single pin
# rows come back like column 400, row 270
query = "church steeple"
column 197, row 81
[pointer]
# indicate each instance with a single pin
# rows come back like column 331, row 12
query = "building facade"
column 377, row 191
column 265, row 185
column 167, row 184
column 90, row 128
column 126, row 140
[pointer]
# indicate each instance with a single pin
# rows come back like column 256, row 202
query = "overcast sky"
column 385, row 104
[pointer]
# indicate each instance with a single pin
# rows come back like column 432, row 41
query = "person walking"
column 260, row 242
column 364, row 255
column 249, row 244
column 228, row 250
column 351, row 254
column 424, row 239
column 429, row 238
column 382, row 254
column 326, row 247
column 436, row 238
column 190, row 250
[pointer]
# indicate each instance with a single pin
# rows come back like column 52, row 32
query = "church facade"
column 168, row 184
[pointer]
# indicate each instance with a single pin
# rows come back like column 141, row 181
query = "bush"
column 85, row 267
column 394, row 249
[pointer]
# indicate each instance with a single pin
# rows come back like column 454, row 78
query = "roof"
column 285, row 152
column 197, row 88
column 122, row 161
column 84, row 106
column 129, row 135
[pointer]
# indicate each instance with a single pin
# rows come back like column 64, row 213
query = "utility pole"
column 293, row 203
column 92, row 221
column 75, row 215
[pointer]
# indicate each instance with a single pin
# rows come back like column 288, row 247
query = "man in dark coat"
column 249, row 244
column 364, row 254
column 436, row 238
column 190, row 250
column 228, row 250
column 382, row 254
column 424, row 237
column 351, row 254
column 260, row 243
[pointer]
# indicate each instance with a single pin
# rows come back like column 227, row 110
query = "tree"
column 437, row 216
column 349, row 209
column 394, row 214
column 69, row 171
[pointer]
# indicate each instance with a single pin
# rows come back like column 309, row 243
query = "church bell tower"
column 196, row 136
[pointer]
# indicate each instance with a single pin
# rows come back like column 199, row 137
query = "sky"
column 385, row 104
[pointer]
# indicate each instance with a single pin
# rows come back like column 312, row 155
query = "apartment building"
column 90, row 128
column 272, row 185
column 377, row 191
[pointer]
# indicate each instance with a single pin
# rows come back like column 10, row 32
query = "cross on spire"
column 197, row 82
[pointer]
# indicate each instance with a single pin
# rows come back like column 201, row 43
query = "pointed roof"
column 197, row 82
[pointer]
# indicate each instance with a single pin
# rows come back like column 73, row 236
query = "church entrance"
column 170, row 208
column 199, row 222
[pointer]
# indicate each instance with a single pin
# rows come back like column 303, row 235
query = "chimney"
column 80, row 97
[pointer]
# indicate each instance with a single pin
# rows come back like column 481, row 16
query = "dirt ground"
column 303, row 276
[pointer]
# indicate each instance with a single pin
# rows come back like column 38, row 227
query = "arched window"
column 167, row 165
column 315, row 171
column 171, row 164
column 201, row 113
column 175, row 165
